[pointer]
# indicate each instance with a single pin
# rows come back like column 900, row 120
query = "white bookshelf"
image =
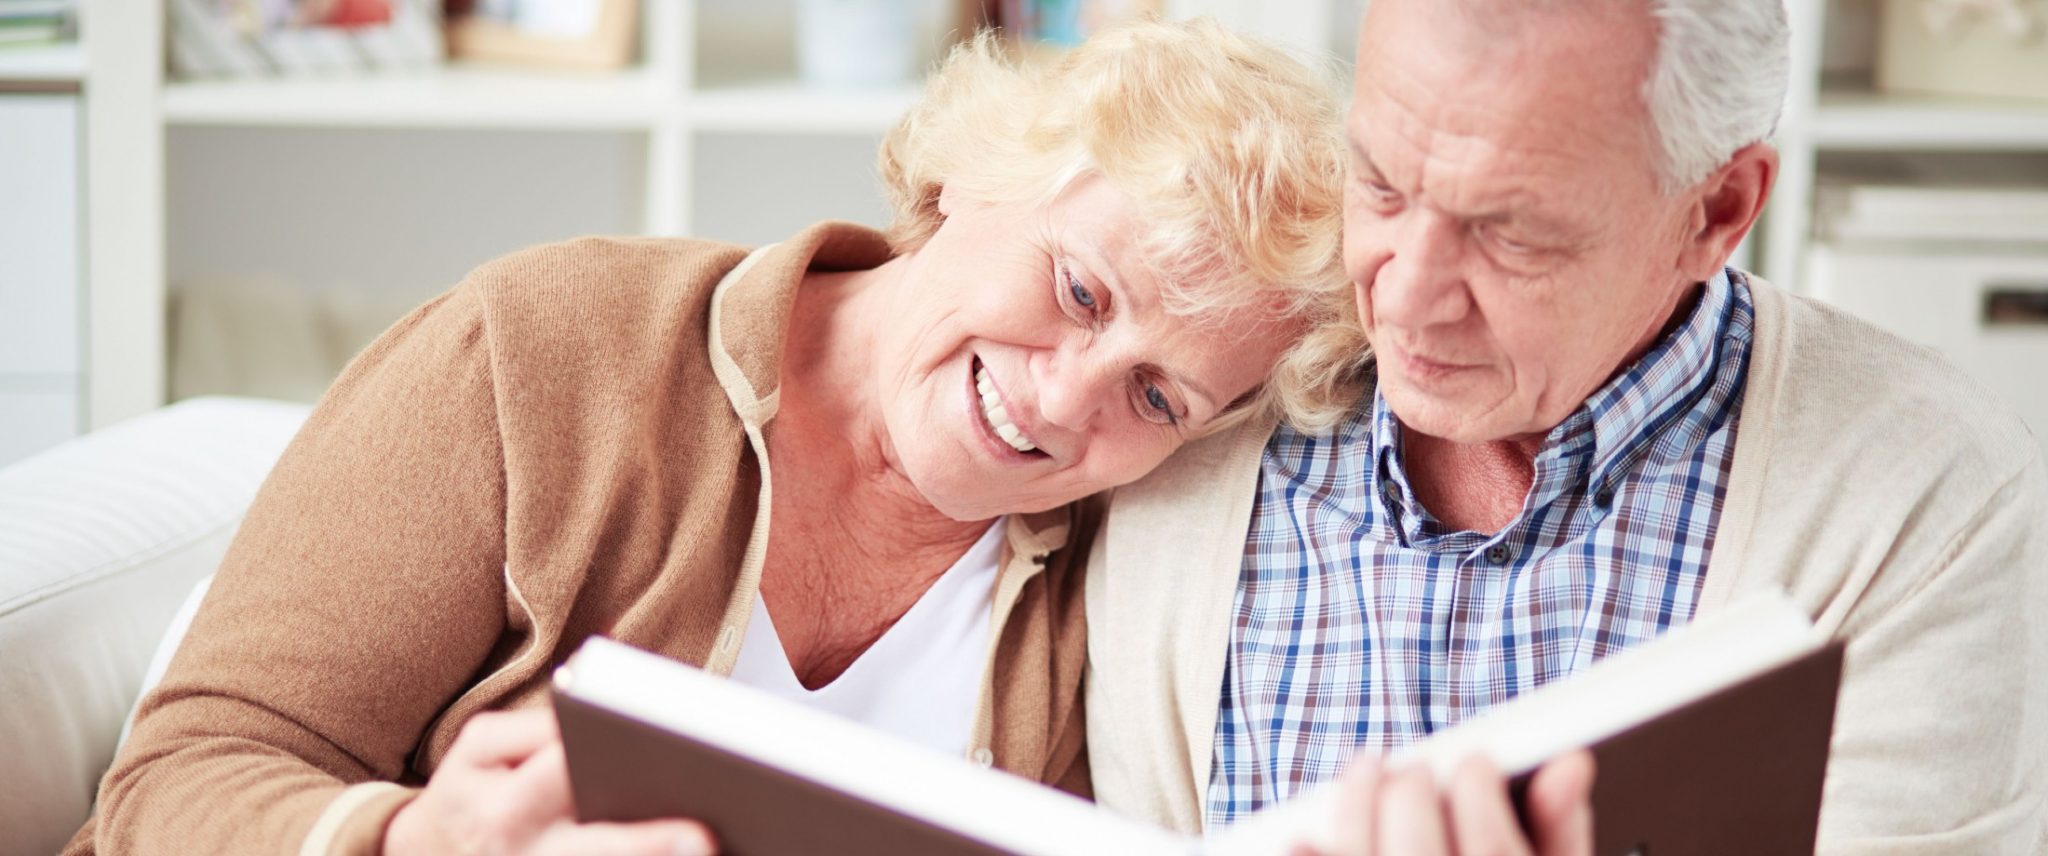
column 41, row 283
column 784, row 107
column 1826, row 112
column 687, row 104
column 455, row 96
column 1865, row 121
column 473, row 98
column 691, row 104
column 60, row 62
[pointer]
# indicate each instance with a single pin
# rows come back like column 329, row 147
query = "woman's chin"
column 964, row 502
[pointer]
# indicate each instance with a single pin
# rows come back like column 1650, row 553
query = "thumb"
column 540, row 786
column 1561, row 806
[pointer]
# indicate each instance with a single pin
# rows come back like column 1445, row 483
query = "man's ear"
column 1729, row 200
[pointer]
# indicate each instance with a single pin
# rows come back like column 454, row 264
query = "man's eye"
column 1080, row 293
column 1376, row 195
column 1512, row 245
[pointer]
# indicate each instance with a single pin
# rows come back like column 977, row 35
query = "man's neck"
column 1470, row 486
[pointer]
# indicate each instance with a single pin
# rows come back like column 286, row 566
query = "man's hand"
column 1403, row 813
column 504, row 789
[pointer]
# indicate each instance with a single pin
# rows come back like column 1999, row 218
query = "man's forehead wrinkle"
column 1460, row 168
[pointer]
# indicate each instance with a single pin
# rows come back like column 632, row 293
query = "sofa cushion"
column 101, row 539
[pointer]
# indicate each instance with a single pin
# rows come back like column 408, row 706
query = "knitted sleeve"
column 362, row 593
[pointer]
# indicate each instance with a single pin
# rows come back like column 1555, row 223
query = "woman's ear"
column 949, row 199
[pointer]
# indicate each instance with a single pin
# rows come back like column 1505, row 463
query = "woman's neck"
column 853, row 544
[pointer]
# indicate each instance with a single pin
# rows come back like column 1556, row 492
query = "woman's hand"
column 1404, row 811
column 504, row 789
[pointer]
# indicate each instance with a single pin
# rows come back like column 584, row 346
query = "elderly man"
column 1581, row 431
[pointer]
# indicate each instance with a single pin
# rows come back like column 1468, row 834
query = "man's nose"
column 1421, row 283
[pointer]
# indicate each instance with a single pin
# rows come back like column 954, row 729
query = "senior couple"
column 871, row 472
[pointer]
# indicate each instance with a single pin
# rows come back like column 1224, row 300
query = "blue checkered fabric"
column 1364, row 624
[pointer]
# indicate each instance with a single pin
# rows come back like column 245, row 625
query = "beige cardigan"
column 1887, row 493
column 568, row 443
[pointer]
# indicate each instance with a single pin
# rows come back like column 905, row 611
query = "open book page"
column 1717, row 652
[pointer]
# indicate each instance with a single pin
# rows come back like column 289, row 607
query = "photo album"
column 1710, row 740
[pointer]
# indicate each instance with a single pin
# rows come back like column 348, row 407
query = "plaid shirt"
column 1363, row 623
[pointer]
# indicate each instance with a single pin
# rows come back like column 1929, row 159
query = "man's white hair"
column 1718, row 83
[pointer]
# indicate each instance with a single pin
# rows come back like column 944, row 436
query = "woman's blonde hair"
column 1230, row 149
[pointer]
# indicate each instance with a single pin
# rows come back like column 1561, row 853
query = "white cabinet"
column 1982, row 306
column 41, row 366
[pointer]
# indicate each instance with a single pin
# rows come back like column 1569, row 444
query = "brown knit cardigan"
column 566, row 444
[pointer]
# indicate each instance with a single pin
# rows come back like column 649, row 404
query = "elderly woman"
column 847, row 468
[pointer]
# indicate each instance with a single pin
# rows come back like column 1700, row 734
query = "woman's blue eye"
column 1157, row 399
column 1081, row 295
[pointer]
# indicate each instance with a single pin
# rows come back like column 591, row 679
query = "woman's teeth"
column 999, row 418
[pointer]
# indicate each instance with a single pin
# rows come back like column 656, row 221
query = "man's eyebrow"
column 1362, row 158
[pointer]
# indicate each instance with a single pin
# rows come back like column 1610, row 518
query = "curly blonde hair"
column 1230, row 149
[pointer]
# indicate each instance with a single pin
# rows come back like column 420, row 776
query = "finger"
column 1561, row 805
column 503, row 739
column 1482, row 818
column 540, row 786
column 1350, row 830
column 647, row 838
column 1411, row 817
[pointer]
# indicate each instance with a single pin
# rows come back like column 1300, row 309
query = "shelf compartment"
column 789, row 107
column 455, row 97
column 63, row 62
column 1867, row 121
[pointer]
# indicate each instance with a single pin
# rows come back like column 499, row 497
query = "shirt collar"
column 1632, row 409
column 1621, row 419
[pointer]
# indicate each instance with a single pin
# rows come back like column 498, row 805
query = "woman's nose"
column 1071, row 390
column 1421, row 282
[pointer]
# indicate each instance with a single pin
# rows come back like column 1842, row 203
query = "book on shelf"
column 1711, row 739
column 36, row 9
column 244, row 38
column 35, row 22
column 1912, row 198
column 25, row 33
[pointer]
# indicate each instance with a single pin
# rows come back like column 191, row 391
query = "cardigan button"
column 983, row 758
column 726, row 635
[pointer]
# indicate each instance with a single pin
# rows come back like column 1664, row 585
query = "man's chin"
column 1454, row 418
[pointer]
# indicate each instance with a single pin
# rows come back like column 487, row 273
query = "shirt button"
column 983, row 758
column 1499, row 554
column 1392, row 492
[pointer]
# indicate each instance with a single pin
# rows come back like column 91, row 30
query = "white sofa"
column 101, row 541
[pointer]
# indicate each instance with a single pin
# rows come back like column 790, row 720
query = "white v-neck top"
column 922, row 679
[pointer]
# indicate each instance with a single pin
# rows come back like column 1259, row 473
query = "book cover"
column 1712, row 739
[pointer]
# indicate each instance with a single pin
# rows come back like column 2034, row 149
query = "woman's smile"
column 990, row 411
